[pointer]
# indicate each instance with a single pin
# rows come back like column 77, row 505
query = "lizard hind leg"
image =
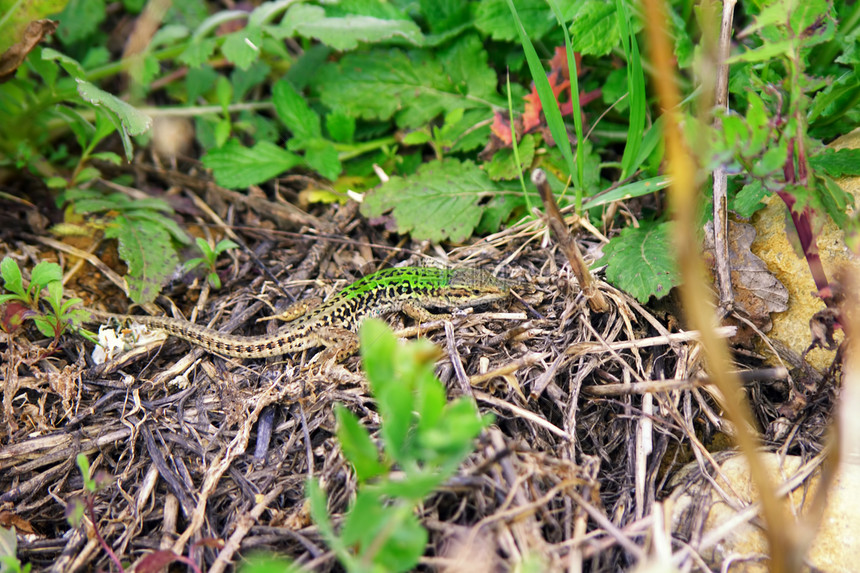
column 295, row 310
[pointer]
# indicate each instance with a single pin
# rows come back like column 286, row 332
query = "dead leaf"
column 12, row 58
column 532, row 119
column 757, row 291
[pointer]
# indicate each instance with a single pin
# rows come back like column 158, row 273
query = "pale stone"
column 699, row 509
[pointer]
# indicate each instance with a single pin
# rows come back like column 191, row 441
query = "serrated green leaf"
column 763, row 53
column 504, row 165
column 494, row 18
column 748, row 200
column 71, row 65
column 836, row 200
column 235, row 165
column 466, row 62
column 594, row 29
column 127, row 120
column 444, row 15
column 381, row 84
column 345, row 32
column 171, row 226
column 79, row 19
column 340, row 126
column 441, row 201
column 498, row 210
column 243, row 47
column 641, row 261
column 295, row 112
column 198, row 52
column 772, row 160
column 836, row 162
column 357, row 446
column 148, row 253
column 322, row 157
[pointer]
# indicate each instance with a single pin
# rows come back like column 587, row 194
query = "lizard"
column 333, row 323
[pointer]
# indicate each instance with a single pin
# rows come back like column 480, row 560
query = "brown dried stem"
column 568, row 245
column 683, row 170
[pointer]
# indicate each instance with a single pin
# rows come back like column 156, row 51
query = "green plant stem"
column 347, row 151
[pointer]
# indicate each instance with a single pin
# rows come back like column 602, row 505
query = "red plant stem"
column 102, row 542
column 803, row 220
column 803, row 224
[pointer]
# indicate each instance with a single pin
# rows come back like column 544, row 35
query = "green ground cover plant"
column 405, row 79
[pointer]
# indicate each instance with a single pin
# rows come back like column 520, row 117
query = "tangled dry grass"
column 594, row 412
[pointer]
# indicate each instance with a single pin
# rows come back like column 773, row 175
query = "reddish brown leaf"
column 14, row 314
column 501, row 128
column 9, row 519
column 559, row 62
column 756, row 290
column 156, row 561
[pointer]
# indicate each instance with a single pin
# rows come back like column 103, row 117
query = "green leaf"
column 836, row 162
column 322, row 156
column 55, row 294
column 243, row 47
column 80, row 19
column 340, row 126
column 642, row 261
column 748, row 200
column 444, row 15
column 44, row 273
column 147, row 251
column 378, row 345
column 503, row 165
column 8, row 548
column 449, row 440
column 772, row 160
column 763, row 53
column 71, row 65
column 235, row 165
column 836, row 201
column 441, row 201
column 368, row 518
column 134, row 122
column 594, row 29
column 466, row 62
column 498, row 210
column 414, row 88
column 294, row 111
column 494, row 18
column 47, row 325
column 357, row 446
column 12, row 280
column 224, row 245
column 405, row 546
column 131, row 120
column 198, row 52
column 344, row 33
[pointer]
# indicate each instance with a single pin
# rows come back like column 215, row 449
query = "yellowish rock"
column 772, row 245
column 700, row 513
